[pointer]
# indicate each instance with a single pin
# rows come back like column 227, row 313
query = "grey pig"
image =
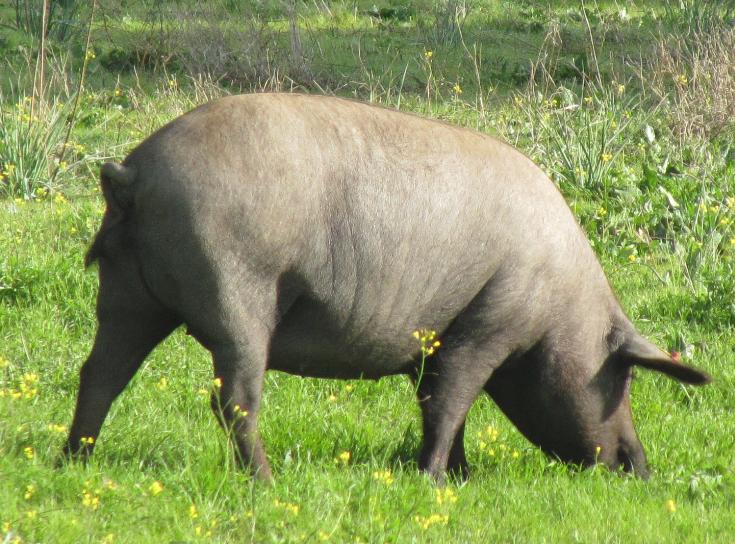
column 312, row 235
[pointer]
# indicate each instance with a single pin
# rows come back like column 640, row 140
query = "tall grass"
column 694, row 76
column 61, row 18
column 28, row 146
column 580, row 135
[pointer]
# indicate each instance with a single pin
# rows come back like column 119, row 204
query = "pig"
column 312, row 235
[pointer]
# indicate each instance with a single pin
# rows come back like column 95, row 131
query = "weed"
column 28, row 144
column 579, row 137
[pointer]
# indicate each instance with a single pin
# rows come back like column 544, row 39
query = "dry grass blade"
column 695, row 77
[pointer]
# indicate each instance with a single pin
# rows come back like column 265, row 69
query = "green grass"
column 659, row 211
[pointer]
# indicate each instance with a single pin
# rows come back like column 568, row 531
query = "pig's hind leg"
column 239, row 340
column 131, row 322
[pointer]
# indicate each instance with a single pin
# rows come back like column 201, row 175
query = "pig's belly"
column 310, row 343
column 310, row 352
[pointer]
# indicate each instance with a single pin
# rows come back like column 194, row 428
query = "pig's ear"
column 636, row 350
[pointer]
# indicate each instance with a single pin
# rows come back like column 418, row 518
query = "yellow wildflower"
column 446, row 495
column 383, row 476
column 289, row 507
column 427, row 521
column 343, row 458
column 217, row 383
column 492, row 433
column 7, row 171
column 156, row 488
column 27, row 387
column 193, row 514
column 457, row 89
column 670, row 505
column 428, row 55
column 606, row 157
column 428, row 341
column 162, row 384
column 30, row 490
column 90, row 499
column 28, row 452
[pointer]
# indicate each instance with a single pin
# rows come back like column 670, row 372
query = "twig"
column 38, row 82
column 72, row 117
column 592, row 44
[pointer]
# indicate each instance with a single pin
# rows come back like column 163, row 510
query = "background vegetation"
column 629, row 106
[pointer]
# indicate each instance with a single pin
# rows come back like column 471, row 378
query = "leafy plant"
column 579, row 136
column 28, row 143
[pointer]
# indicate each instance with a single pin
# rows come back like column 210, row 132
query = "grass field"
column 629, row 109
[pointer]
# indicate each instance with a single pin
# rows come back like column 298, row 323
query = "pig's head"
column 578, row 409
